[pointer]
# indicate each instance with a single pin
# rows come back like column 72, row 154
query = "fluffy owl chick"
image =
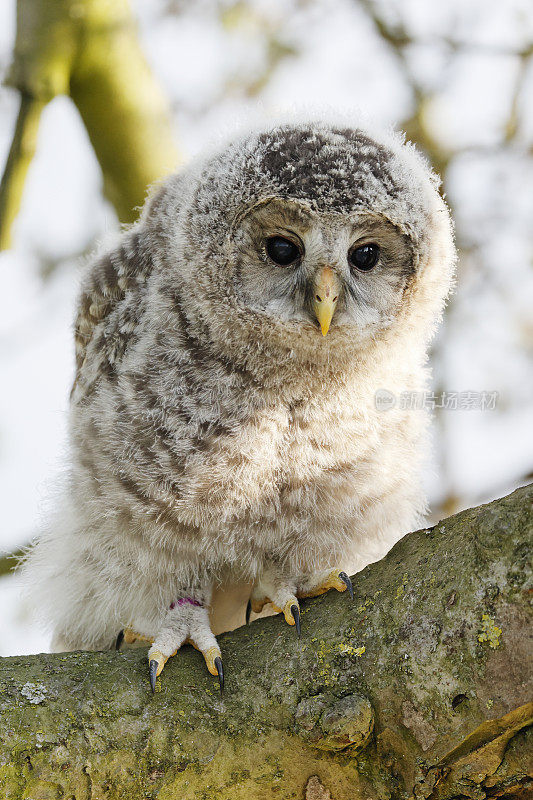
column 223, row 423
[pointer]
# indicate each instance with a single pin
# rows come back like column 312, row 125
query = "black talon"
column 295, row 611
column 345, row 579
column 153, row 674
column 120, row 639
column 248, row 611
column 218, row 665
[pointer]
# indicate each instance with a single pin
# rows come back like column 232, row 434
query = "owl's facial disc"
column 326, row 290
column 311, row 272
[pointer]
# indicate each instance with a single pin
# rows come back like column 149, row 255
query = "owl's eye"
column 364, row 257
column 282, row 251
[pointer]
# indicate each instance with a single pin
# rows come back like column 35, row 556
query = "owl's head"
column 306, row 237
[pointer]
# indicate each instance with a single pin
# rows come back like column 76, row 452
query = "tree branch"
column 18, row 161
column 90, row 51
column 419, row 689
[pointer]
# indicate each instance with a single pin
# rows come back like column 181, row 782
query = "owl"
column 230, row 447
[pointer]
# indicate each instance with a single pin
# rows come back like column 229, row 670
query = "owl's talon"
column 213, row 661
column 248, row 611
column 345, row 579
column 153, row 673
column 156, row 663
column 295, row 611
column 218, row 665
column 120, row 639
column 291, row 612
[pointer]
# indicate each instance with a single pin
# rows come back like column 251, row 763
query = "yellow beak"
column 326, row 290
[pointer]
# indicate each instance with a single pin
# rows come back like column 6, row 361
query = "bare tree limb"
column 19, row 159
column 88, row 50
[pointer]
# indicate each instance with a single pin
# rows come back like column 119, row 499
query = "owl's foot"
column 322, row 582
column 273, row 588
column 187, row 622
column 283, row 595
column 212, row 656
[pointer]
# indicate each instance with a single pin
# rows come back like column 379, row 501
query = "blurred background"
column 78, row 118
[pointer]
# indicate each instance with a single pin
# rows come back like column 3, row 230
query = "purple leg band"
column 183, row 600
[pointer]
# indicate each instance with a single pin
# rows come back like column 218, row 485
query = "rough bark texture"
column 417, row 689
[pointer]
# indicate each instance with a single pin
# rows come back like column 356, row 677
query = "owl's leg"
column 273, row 587
column 186, row 621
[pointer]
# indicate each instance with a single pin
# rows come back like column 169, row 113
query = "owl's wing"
column 109, row 309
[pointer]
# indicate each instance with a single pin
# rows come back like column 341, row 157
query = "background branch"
column 90, row 51
column 18, row 161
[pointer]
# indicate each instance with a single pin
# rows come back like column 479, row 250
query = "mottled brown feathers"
column 108, row 308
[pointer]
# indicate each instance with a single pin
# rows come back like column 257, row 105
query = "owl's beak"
column 326, row 290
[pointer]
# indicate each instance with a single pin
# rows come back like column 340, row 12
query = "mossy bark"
column 89, row 50
column 420, row 688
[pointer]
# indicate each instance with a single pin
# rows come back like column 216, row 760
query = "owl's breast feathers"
column 166, row 429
